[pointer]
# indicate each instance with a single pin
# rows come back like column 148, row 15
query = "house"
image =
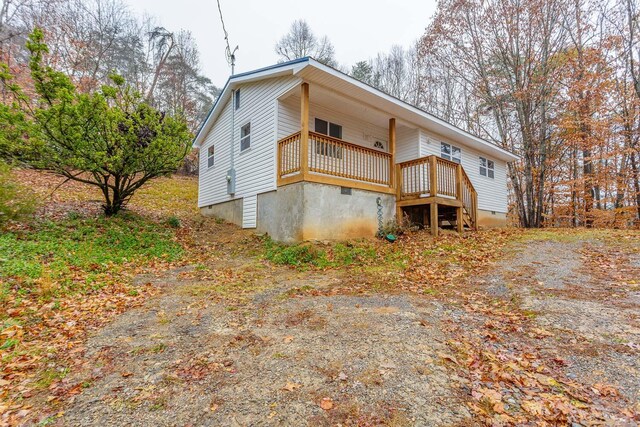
column 302, row 151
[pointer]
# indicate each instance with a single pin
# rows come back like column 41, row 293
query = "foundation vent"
column 345, row 190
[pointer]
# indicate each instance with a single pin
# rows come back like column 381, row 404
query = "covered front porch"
column 420, row 184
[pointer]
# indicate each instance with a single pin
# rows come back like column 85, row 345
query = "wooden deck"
column 427, row 181
column 419, row 184
column 435, row 181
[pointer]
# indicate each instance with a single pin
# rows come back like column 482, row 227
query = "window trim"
column 489, row 167
column 211, row 156
column 236, row 100
column 245, row 137
column 457, row 160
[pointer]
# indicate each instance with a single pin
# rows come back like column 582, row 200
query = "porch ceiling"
column 343, row 105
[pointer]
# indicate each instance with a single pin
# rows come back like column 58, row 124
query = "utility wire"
column 230, row 55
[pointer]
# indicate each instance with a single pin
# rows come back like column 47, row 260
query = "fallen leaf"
column 326, row 404
column 291, row 386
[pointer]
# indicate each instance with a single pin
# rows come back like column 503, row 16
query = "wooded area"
column 89, row 40
column 555, row 81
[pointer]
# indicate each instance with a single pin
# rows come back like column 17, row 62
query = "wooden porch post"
column 398, row 183
column 433, row 176
column 433, row 221
column 474, row 204
column 459, row 221
column 459, row 182
column 433, row 192
column 392, row 151
column 304, row 130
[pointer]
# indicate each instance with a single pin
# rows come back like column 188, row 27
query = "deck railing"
column 433, row 176
column 332, row 157
column 469, row 197
column 333, row 161
column 289, row 155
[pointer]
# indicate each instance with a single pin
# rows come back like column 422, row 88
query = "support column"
column 304, row 130
column 459, row 182
column 433, row 221
column 398, row 183
column 433, row 176
column 392, row 151
column 459, row 219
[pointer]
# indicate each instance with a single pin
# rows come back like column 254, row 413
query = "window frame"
column 211, row 156
column 450, row 156
column 489, row 167
column 329, row 128
column 245, row 137
column 236, row 100
column 325, row 149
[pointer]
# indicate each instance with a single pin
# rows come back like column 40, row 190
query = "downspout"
column 231, row 173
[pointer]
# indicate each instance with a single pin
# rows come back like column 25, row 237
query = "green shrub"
column 74, row 215
column 173, row 222
column 297, row 255
column 16, row 201
column 347, row 254
column 93, row 248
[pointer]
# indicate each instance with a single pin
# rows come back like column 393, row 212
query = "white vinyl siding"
column 406, row 144
column 255, row 168
column 492, row 193
column 212, row 183
column 249, row 211
column 353, row 130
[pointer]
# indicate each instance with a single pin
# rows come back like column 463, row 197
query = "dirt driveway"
column 551, row 332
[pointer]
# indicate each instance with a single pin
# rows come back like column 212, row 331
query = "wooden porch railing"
column 330, row 156
column 289, row 155
column 334, row 161
column 434, row 176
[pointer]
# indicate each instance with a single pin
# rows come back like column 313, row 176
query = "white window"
column 333, row 130
column 245, row 137
column 487, row 167
column 236, row 99
column 450, row 152
column 210, row 153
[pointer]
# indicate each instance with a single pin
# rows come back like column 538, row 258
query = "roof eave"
column 285, row 68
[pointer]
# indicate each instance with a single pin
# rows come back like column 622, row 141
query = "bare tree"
column 90, row 39
column 300, row 42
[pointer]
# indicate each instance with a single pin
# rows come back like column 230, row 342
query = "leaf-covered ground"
column 161, row 317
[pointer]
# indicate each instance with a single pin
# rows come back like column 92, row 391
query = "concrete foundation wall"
column 330, row 215
column 486, row 219
column 310, row 211
column 230, row 211
column 280, row 213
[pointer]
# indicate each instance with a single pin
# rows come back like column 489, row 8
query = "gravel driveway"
column 281, row 355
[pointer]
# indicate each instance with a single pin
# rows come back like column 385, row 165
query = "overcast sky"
column 358, row 29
